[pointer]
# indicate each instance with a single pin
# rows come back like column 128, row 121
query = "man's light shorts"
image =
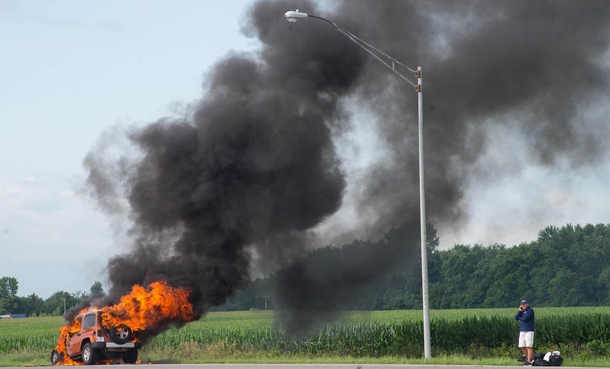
column 526, row 339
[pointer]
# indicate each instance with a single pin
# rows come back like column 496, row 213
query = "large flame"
column 63, row 338
column 142, row 309
column 146, row 307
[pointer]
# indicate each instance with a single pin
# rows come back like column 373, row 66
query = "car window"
column 89, row 321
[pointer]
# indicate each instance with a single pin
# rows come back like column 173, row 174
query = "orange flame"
column 140, row 310
column 144, row 308
column 63, row 338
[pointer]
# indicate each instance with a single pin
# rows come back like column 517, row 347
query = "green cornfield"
column 357, row 334
column 29, row 333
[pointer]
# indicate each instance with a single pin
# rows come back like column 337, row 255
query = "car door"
column 74, row 340
column 88, row 327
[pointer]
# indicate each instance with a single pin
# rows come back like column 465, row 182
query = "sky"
column 72, row 70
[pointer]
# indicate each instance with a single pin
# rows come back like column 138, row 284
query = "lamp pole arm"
column 367, row 47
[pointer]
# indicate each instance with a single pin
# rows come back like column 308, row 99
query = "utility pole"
column 64, row 306
column 266, row 301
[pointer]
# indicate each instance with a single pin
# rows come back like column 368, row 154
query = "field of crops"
column 29, row 333
column 485, row 332
column 394, row 332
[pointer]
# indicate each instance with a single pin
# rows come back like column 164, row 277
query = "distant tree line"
column 567, row 266
column 33, row 305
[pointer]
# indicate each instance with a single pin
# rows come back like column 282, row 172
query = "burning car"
column 99, row 334
column 90, row 342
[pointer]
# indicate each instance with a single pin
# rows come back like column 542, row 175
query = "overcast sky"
column 71, row 70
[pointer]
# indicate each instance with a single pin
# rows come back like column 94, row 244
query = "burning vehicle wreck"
column 103, row 334
column 93, row 342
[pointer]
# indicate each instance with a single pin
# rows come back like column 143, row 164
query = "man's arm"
column 519, row 314
column 529, row 316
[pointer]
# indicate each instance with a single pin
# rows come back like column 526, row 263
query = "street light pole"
column 422, row 217
column 293, row 16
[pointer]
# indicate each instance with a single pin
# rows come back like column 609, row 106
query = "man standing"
column 525, row 316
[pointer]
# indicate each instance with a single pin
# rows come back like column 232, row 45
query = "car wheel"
column 130, row 357
column 56, row 357
column 120, row 334
column 89, row 354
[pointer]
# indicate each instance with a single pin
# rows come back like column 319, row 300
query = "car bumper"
column 115, row 346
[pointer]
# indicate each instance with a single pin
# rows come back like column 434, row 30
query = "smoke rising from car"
column 253, row 168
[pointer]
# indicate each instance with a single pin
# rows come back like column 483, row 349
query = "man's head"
column 524, row 304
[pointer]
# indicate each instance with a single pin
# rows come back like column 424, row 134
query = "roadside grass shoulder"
column 194, row 356
column 206, row 355
column 23, row 357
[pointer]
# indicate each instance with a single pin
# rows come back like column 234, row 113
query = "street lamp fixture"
column 293, row 16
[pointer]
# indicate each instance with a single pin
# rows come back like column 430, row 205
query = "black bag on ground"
column 538, row 359
column 555, row 360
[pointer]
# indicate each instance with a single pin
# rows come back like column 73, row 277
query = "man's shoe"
column 522, row 359
column 527, row 363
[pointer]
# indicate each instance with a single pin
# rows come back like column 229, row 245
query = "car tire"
column 89, row 354
column 130, row 357
column 120, row 335
column 56, row 357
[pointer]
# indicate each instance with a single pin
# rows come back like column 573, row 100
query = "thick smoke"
column 254, row 167
column 531, row 66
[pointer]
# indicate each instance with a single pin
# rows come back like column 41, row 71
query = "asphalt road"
column 310, row 366
column 324, row 366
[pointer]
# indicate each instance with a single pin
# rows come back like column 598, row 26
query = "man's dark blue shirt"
column 526, row 319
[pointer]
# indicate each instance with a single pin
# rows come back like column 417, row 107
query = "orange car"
column 94, row 343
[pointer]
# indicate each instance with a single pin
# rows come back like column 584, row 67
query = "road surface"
column 310, row 366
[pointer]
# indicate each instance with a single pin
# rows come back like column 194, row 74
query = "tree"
column 34, row 305
column 8, row 287
column 13, row 305
column 13, row 286
column 54, row 305
column 97, row 289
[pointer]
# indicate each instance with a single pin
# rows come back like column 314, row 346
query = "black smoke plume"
column 253, row 167
column 531, row 67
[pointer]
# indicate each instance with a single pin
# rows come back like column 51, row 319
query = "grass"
column 469, row 337
column 195, row 356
